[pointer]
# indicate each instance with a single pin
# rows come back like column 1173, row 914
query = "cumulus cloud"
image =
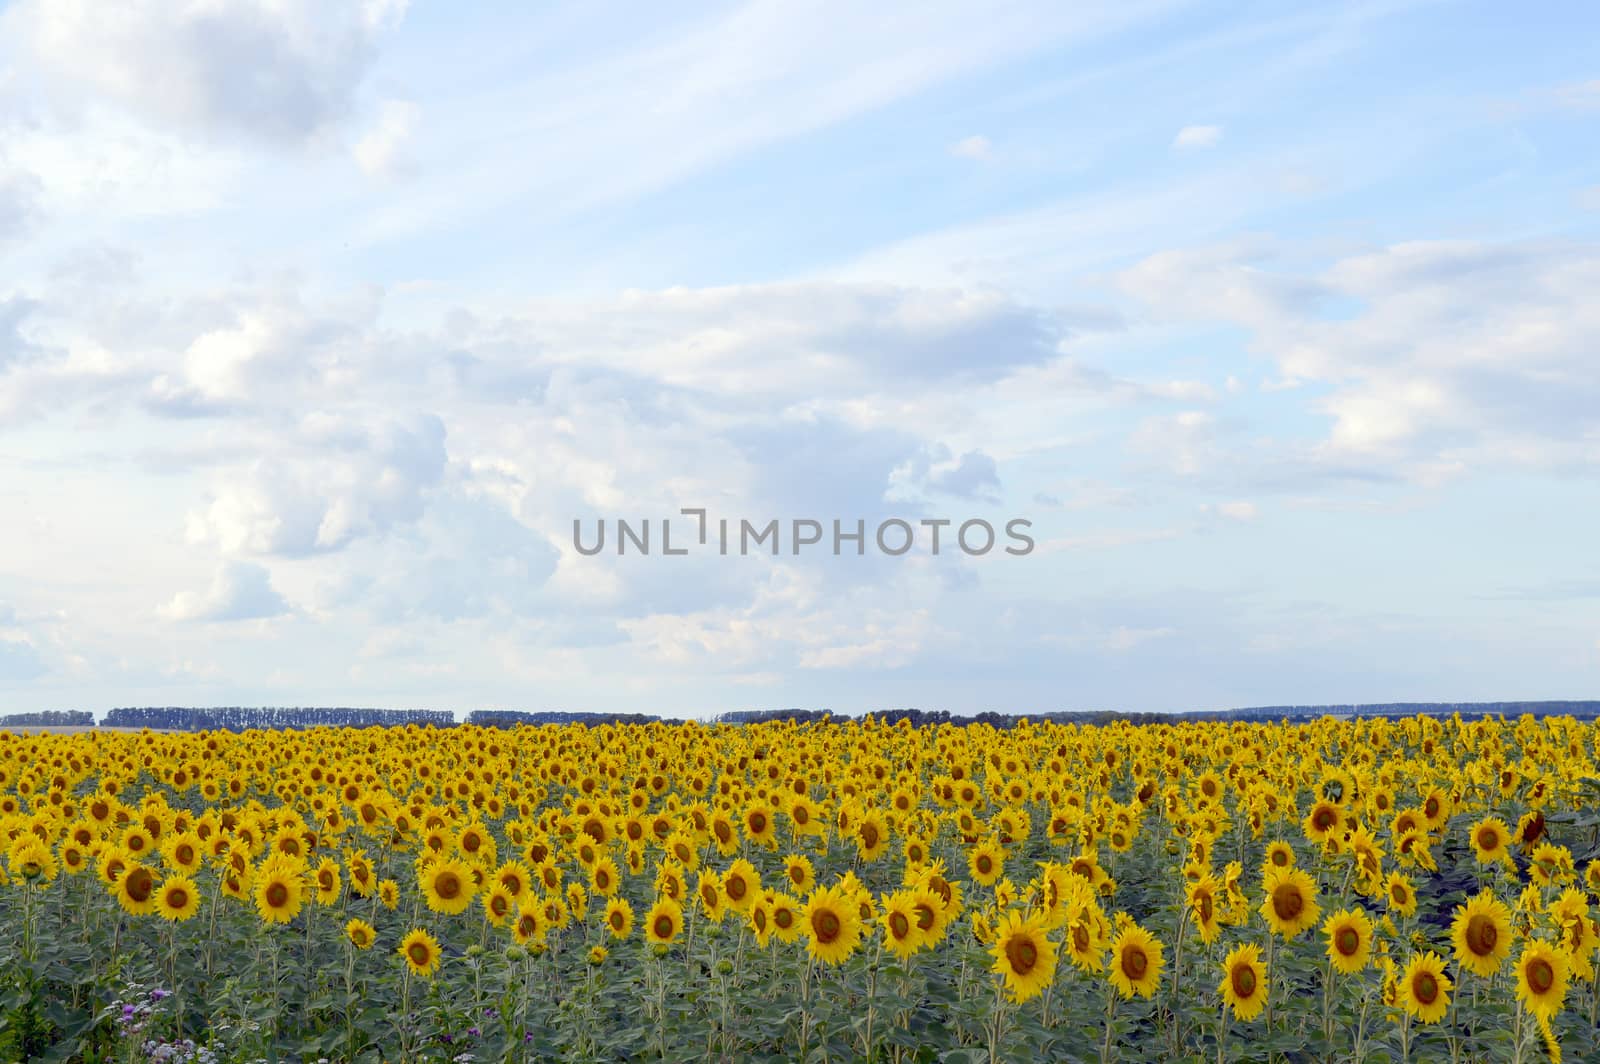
column 275, row 70
column 239, row 591
column 1430, row 357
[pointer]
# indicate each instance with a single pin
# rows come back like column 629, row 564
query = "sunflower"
column 447, row 886
column 741, row 885
column 1323, row 823
column 1349, row 935
column 177, row 899
column 1401, row 894
column 498, row 905
column 1202, row 899
column 1481, row 934
column 1024, row 956
column 787, row 921
column 30, row 859
column 760, row 825
column 183, row 852
column 1423, row 989
column 1490, row 838
column 279, row 891
column 663, row 923
column 1542, row 976
column 986, row 862
column 798, row 873
column 135, row 889
column 898, row 915
column 360, row 933
column 708, row 888
column 421, row 952
column 604, row 877
column 832, row 924
column 872, row 836
column 528, row 928
column 1290, row 905
column 619, row 918
column 1087, row 936
column 1279, row 855
column 326, row 878
column 1244, row 981
column 388, row 894
column 1136, row 962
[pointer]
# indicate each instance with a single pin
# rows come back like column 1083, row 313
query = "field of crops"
column 1421, row 889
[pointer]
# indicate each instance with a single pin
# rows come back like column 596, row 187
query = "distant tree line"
column 49, row 718
column 245, row 718
column 510, row 718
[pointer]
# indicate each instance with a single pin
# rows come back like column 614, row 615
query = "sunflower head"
column 1244, row 981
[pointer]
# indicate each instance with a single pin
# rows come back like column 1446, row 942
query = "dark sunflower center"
column 419, row 954
column 1541, row 975
column 826, row 926
column 736, row 888
column 1347, row 941
column 899, row 925
column 1489, row 839
column 869, row 834
column 277, row 895
column 1244, row 981
column 1287, row 902
column 1022, row 954
column 177, row 897
column 1134, row 962
column 447, row 886
column 1482, row 935
column 1425, row 988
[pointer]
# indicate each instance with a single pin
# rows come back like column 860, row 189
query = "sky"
column 322, row 322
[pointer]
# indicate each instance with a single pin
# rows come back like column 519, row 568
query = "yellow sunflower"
column 360, row 933
column 1024, row 956
column 1423, row 989
column 1481, row 934
column 421, row 952
column 1290, row 905
column 1244, row 981
column 619, row 918
column 832, row 924
column 1349, row 935
column 1136, row 962
column 663, row 923
column 899, row 919
column 1490, row 838
column 1400, row 894
column 986, row 862
column 1542, row 975
column 135, row 889
column 447, row 885
column 279, row 890
column 177, row 899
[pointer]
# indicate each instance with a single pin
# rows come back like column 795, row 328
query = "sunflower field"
column 1422, row 889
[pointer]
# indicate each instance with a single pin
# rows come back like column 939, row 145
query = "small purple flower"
column 473, row 1032
column 127, row 1012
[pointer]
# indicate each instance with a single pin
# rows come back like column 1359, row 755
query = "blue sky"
column 320, row 322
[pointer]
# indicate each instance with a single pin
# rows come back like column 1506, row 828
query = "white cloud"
column 974, row 147
column 382, row 151
column 1194, row 137
column 278, row 70
column 238, row 591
